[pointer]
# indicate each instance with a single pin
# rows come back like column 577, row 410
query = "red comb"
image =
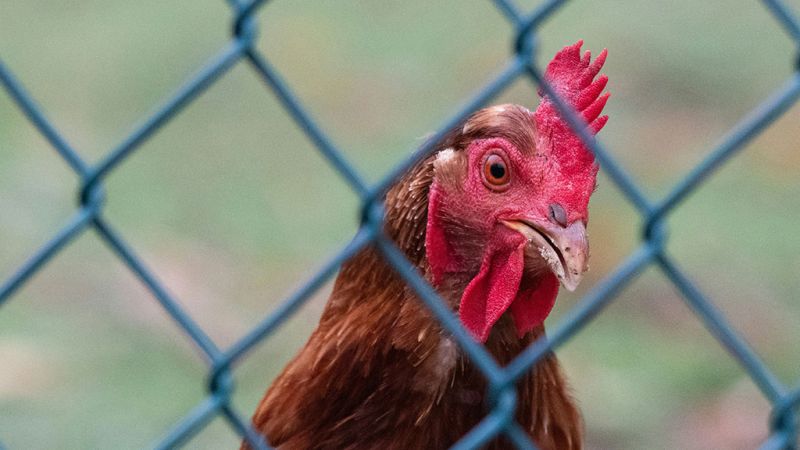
column 572, row 78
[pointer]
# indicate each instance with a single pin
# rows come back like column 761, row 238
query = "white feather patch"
column 436, row 371
column 444, row 157
column 446, row 356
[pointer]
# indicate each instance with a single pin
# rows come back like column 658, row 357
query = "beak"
column 565, row 250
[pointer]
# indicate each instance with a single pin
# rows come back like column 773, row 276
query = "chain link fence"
column 652, row 251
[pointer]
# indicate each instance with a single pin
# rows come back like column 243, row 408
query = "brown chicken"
column 495, row 218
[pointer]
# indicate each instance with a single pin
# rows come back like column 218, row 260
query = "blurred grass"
column 233, row 208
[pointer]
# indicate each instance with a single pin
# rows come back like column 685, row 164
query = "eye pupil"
column 497, row 170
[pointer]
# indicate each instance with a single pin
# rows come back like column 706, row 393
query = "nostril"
column 558, row 215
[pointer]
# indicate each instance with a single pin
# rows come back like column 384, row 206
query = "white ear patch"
column 444, row 157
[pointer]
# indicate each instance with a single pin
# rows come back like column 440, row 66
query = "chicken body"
column 380, row 373
column 493, row 219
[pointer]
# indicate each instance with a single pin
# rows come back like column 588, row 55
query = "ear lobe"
column 437, row 250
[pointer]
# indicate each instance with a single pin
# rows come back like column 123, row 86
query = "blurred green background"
column 233, row 208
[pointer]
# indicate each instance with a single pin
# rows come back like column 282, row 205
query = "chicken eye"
column 495, row 171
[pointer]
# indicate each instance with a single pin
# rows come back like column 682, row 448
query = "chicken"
column 495, row 219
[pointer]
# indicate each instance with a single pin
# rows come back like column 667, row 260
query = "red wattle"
column 496, row 285
column 532, row 306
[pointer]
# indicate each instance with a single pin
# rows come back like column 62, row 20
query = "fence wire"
column 521, row 64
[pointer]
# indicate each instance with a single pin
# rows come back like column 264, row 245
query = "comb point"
column 598, row 62
column 599, row 123
column 594, row 110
